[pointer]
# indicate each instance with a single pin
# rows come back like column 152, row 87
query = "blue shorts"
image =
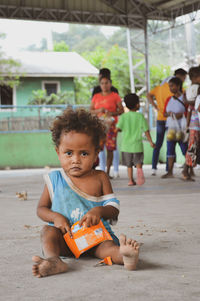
column 171, row 148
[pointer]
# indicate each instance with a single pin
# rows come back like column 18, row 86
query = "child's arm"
column 93, row 216
column 45, row 213
column 189, row 114
column 148, row 135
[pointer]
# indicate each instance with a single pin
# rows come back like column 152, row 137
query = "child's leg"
column 130, row 176
column 171, row 155
column 109, row 160
column 116, row 162
column 102, row 160
column 140, row 175
column 126, row 254
column 53, row 246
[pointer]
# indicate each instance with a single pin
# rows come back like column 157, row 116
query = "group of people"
column 172, row 104
column 107, row 105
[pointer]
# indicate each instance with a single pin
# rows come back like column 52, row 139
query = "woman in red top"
column 107, row 105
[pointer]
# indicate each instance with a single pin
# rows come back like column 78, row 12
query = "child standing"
column 133, row 124
column 77, row 192
column 192, row 157
column 174, row 108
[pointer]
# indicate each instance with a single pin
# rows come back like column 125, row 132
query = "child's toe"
column 129, row 241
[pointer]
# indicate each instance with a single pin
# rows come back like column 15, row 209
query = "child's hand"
column 62, row 223
column 91, row 218
column 152, row 144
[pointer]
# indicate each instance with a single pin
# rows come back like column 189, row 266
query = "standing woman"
column 107, row 105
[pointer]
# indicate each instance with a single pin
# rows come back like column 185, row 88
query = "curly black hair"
column 80, row 121
column 131, row 100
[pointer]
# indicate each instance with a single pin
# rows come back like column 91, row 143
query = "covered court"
column 163, row 215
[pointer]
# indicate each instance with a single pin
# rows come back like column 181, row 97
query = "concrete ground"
column 162, row 214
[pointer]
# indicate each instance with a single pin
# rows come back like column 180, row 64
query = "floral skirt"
column 111, row 138
column 193, row 153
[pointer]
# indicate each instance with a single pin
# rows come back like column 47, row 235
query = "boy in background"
column 133, row 124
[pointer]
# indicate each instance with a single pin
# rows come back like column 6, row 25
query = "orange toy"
column 86, row 238
column 105, row 261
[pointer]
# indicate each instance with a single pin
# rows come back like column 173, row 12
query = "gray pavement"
column 161, row 214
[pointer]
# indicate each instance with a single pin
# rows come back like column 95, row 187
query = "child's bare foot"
column 130, row 251
column 140, row 177
column 131, row 183
column 47, row 267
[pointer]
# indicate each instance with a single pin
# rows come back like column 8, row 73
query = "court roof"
column 131, row 13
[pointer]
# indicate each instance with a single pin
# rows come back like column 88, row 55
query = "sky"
column 20, row 34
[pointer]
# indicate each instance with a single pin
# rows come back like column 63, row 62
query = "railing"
column 30, row 118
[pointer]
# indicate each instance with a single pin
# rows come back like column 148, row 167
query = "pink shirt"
column 108, row 102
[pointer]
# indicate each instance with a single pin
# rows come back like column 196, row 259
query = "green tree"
column 60, row 47
column 81, row 38
column 40, row 97
column 9, row 69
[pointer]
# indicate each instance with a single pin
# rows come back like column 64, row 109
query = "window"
column 6, row 95
column 51, row 87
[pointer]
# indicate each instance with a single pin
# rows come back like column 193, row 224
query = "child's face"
column 173, row 88
column 76, row 153
column 196, row 80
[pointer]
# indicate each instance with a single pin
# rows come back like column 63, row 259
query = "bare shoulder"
column 101, row 174
column 105, row 181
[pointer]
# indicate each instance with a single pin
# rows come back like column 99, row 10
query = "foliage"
column 9, row 69
column 81, row 38
column 116, row 60
column 158, row 73
column 66, row 97
column 100, row 51
column 40, row 97
column 60, row 47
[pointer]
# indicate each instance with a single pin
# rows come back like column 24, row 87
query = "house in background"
column 50, row 71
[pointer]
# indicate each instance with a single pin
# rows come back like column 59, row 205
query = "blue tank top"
column 71, row 202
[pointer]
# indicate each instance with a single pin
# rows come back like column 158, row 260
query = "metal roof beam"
column 61, row 15
column 113, row 4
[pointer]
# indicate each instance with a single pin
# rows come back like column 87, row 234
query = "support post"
column 147, row 74
column 130, row 61
column 190, row 39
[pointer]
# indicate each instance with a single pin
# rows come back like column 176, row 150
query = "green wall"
column 23, row 150
column 29, row 84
